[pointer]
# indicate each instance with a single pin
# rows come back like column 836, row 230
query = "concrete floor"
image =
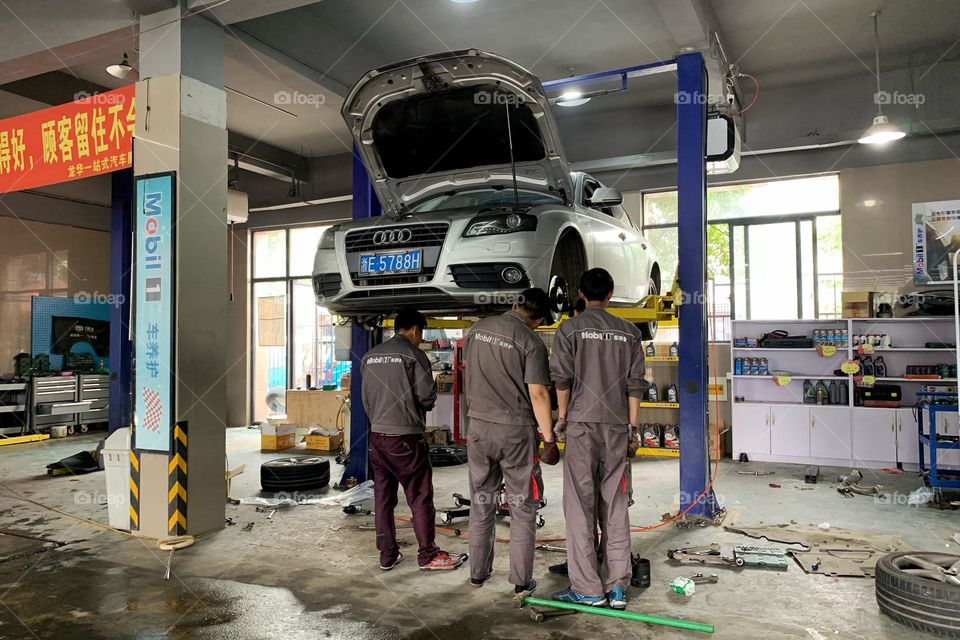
column 310, row 572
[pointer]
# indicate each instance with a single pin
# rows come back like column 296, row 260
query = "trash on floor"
column 683, row 586
column 83, row 462
column 850, row 485
column 921, row 496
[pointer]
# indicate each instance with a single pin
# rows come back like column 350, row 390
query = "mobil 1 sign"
column 154, row 230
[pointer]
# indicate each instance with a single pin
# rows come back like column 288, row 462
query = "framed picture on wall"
column 936, row 239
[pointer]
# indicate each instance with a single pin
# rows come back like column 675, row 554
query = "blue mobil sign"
column 154, row 311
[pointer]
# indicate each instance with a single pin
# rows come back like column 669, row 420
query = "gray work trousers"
column 595, row 468
column 503, row 453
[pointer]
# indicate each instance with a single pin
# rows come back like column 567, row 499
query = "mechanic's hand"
column 560, row 430
column 551, row 452
column 634, row 442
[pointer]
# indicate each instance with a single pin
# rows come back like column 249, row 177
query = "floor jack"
column 461, row 508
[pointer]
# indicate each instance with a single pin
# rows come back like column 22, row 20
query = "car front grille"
column 327, row 284
column 421, row 236
column 368, row 280
column 485, row 276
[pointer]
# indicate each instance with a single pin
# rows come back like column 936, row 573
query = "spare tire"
column 298, row 473
column 921, row 589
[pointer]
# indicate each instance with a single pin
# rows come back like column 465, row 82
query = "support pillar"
column 181, row 128
column 121, row 349
column 692, row 275
column 365, row 205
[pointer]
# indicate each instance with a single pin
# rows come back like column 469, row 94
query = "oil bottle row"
column 820, row 393
column 666, row 436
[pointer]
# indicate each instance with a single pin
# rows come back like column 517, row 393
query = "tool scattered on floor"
column 755, row 473
column 539, row 614
column 802, row 487
column 613, row 613
column 640, row 572
column 700, row 578
column 171, row 544
column 810, row 474
column 743, row 556
column 774, row 485
column 550, row 547
column 850, row 485
column 248, row 526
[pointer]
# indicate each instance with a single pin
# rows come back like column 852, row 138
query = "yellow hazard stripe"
column 134, row 517
column 176, row 518
column 177, row 461
column 134, row 461
column 176, row 490
column 134, row 489
column 180, row 434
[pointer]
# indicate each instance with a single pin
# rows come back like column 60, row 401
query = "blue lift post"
column 121, row 349
column 365, row 205
column 692, row 270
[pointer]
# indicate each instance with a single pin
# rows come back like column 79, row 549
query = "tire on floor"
column 916, row 589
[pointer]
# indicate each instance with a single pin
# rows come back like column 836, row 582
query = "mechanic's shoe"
column 530, row 587
column 569, row 595
column 478, row 582
column 391, row 565
column 443, row 561
column 617, row 598
column 558, row 569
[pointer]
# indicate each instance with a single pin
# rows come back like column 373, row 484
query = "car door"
column 637, row 255
column 609, row 242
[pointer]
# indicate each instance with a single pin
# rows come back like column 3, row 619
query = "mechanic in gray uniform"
column 597, row 367
column 506, row 376
column 398, row 390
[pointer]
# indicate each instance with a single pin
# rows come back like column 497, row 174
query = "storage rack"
column 665, row 373
column 773, row 424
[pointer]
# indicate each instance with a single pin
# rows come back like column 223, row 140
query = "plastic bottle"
column 823, row 395
column 809, row 393
column 844, row 392
column 674, row 350
column 866, row 366
column 651, row 350
column 652, row 394
column 738, row 367
column 879, row 367
column 764, row 367
column 672, row 393
column 833, row 393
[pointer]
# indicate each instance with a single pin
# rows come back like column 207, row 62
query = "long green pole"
column 627, row 615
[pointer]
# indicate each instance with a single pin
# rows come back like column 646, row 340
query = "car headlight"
column 328, row 237
column 499, row 224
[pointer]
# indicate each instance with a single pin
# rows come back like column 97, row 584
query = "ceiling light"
column 572, row 99
column 881, row 131
column 121, row 70
column 463, row 1
column 869, row 203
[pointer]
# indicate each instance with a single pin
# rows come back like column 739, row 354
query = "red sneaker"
column 443, row 561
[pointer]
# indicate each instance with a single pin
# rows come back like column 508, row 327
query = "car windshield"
column 480, row 198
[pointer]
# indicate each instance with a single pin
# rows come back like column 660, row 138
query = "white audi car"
column 478, row 202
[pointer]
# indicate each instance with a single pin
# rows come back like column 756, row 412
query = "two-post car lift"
column 697, row 500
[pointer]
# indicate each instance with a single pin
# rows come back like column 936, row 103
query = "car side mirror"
column 606, row 197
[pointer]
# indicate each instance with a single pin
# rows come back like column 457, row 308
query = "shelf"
column 912, row 349
column 658, row 452
column 662, row 358
column 12, row 408
column 801, row 350
column 792, row 377
column 921, row 380
column 660, row 405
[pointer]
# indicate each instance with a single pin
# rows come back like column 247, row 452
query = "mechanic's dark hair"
column 408, row 319
column 596, row 284
column 535, row 303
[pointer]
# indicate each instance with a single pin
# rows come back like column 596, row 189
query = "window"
column 292, row 337
column 773, row 248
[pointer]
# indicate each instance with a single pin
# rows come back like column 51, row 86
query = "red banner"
column 83, row 138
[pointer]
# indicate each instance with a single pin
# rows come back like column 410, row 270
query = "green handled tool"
column 626, row 615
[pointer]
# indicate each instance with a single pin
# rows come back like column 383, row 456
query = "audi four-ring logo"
column 392, row 236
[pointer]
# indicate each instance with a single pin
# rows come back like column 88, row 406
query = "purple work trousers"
column 402, row 461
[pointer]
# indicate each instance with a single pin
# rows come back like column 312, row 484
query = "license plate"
column 391, row 262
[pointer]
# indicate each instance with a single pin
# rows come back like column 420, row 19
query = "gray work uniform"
column 599, row 358
column 398, row 387
column 502, row 357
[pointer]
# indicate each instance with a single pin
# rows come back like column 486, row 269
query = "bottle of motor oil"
column 651, row 350
column 652, row 394
column 671, row 436
column 844, row 392
column 738, row 367
column 651, row 435
column 672, row 393
column 674, row 350
column 823, row 395
column 833, row 393
column 764, row 367
column 809, row 393
column 879, row 367
column 866, row 366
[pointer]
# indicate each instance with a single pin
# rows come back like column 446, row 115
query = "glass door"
column 771, row 267
column 269, row 335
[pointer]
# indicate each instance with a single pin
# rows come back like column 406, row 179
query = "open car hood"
column 438, row 123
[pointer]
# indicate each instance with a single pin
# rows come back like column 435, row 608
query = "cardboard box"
column 445, row 383
column 276, row 437
column 323, row 443
column 857, row 304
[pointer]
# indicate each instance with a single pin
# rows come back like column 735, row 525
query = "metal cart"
column 932, row 404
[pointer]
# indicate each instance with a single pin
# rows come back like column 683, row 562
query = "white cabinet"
column 751, row 429
column 948, row 425
column 790, row 430
column 830, row 433
column 876, row 437
column 908, row 445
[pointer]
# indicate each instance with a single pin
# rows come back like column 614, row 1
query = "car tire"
column 926, row 601
column 569, row 263
column 297, row 473
column 648, row 330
